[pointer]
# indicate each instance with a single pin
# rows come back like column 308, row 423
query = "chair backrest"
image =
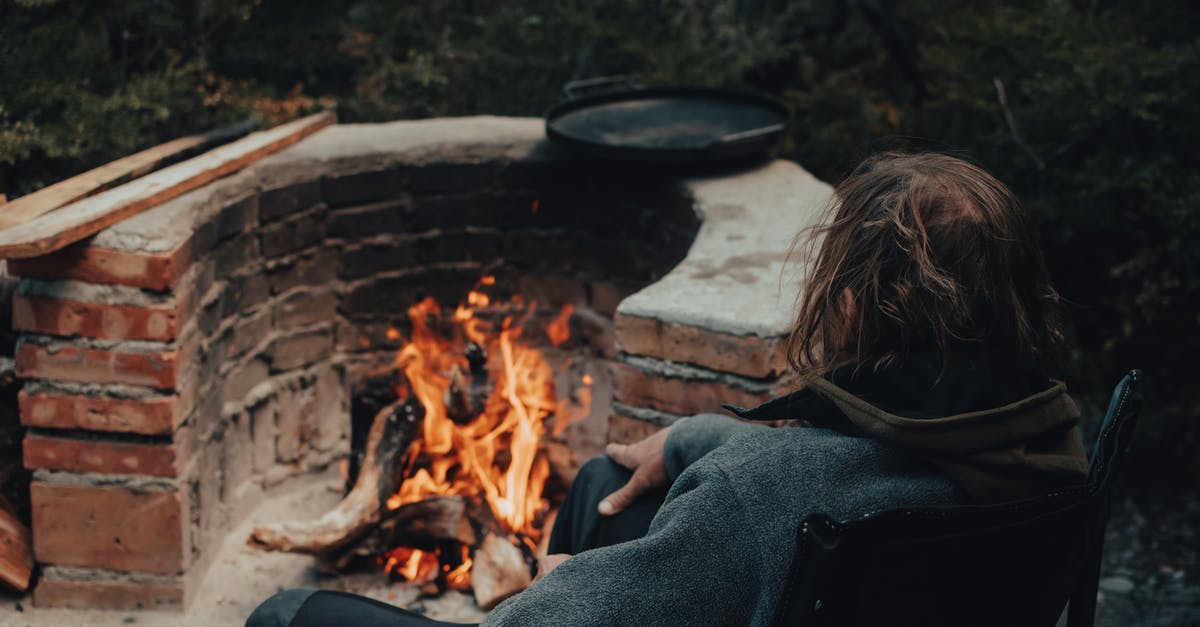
column 1009, row 564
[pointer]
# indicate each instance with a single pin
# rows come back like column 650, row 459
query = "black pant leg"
column 580, row 526
column 329, row 608
column 305, row 607
column 279, row 610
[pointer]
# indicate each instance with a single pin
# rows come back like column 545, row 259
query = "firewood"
column 459, row 405
column 499, row 571
column 543, row 547
column 468, row 392
column 394, row 428
column 16, row 549
column 429, row 520
column 426, row 522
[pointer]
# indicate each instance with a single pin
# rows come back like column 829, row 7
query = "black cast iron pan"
column 666, row 125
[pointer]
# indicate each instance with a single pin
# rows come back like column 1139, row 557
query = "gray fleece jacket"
column 719, row 550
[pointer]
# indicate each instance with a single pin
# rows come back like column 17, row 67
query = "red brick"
column 57, row 591
column 746, row 355
column 102, row 456
column 66, row 318
column 108, row 527
column 151, row 416
column 89, row 365
column 157, row 271
column 635, row 387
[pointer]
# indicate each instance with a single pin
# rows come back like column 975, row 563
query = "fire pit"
column 178, row 364
column 451, row 487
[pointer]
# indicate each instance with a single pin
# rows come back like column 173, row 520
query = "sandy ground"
column 241, row 577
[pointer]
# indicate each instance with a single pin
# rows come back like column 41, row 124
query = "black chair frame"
column 1016, row 563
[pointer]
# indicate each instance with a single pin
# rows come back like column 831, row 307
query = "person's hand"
column 549, row 563
column 645, row 459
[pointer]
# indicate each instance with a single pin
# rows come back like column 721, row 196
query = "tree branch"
column 1012, row 124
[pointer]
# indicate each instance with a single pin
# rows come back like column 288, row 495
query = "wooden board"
column 88, row 216
column 16, row 550
column 115, row 173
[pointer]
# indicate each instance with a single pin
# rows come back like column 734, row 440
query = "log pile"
column 393, row 429
column 361, row 528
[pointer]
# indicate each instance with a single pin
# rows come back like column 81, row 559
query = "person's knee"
column 279, row 610
column 600, row 466
column 602, row 474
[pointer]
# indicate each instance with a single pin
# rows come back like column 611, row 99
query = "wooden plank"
column 115, row 173
column 88, row 216
column 16, row 550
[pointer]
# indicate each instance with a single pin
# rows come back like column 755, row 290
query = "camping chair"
column 1016, row 563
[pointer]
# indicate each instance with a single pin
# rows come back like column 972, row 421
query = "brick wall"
column 179, row 362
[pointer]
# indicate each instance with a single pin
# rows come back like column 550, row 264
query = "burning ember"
column 488, row 399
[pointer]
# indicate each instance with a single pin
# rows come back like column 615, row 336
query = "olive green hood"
column 1021, row 449
column 1000, row 428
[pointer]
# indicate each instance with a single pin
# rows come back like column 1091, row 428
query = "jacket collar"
column 919, row 387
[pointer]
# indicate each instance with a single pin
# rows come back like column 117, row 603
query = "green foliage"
column 1097, row 135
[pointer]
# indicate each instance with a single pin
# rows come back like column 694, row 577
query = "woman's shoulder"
column 812, row 469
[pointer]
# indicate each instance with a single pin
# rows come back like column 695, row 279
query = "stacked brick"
column 164, row 387
column 173, row 369
column 180, row 361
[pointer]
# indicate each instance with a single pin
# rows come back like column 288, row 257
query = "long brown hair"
column 938, row 256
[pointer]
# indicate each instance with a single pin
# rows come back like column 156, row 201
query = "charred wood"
column 468, row 393
column 427, row 522
column 499, row 571
column 394, row 428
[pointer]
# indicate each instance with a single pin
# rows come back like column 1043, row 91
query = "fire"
column 559, row 331
column 494, row 451
column 412, row 564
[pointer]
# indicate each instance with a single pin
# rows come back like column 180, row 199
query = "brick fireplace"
column 178, row 363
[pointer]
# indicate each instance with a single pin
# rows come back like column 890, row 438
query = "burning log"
column 499, row 571
column 479, row 463
column 393, row 429
column 434, row 519
column 431, row 521
column 16, row 549
column 468, row 392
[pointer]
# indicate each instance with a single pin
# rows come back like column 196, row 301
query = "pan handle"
column 575, row 89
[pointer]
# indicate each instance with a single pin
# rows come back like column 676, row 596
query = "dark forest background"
column 1087, row 109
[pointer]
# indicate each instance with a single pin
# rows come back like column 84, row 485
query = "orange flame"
column 496, row 453
column 559, row 331
column 460, row 577
column 413, row 565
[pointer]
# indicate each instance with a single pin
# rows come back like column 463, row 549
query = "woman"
column 925, row 319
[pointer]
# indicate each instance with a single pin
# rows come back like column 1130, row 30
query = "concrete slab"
column 734, row 279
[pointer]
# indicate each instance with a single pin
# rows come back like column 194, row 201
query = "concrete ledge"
column 729, row 304
column 340, row 150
